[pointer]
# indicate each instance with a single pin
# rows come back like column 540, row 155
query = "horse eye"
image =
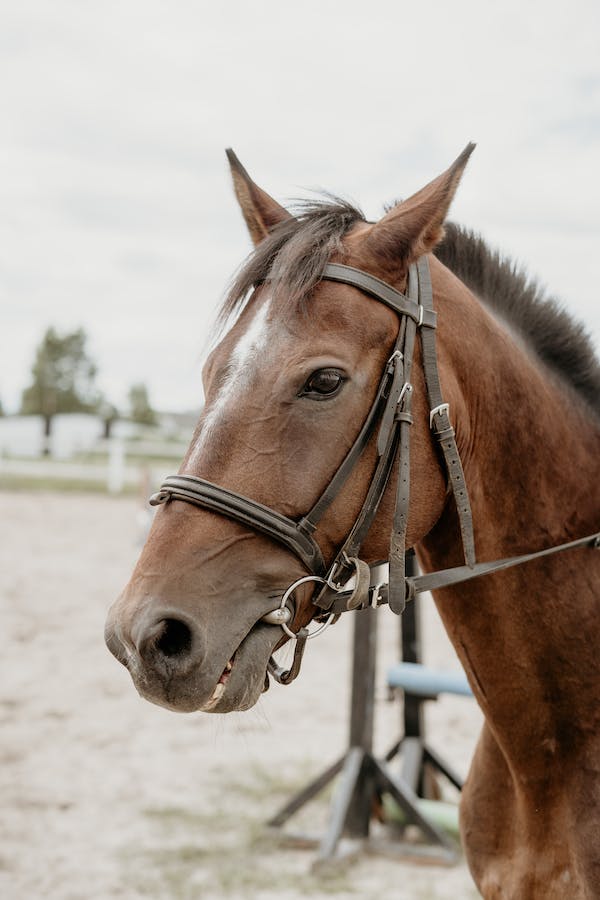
column 324, row 383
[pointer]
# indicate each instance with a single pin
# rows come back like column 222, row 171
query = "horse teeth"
column 218, row 691
column 229, row 666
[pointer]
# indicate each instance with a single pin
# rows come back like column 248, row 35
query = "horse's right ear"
column 260, row 211
column 415, row 226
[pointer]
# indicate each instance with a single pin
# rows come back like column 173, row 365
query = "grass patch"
column 179, row 818
column 224, row 848
column 259, row 782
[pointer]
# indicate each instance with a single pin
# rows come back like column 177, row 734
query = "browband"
column 380, row 290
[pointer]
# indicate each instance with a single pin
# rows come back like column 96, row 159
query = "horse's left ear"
column 415, row 226
column 260, row 211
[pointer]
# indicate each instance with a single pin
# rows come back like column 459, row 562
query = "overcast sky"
column 116, row 210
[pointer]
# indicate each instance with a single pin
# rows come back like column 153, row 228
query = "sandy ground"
column 104, row 795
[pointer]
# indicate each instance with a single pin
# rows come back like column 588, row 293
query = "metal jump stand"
column 364, row 778
column 418, row 758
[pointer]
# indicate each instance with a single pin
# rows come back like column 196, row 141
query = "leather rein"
column 348, row 582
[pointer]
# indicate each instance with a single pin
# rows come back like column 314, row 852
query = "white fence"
column 132, row 457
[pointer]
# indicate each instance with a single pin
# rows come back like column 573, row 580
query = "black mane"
column 558, row 339
column 296, row 251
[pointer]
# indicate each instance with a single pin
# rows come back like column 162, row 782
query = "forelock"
column 293, row 256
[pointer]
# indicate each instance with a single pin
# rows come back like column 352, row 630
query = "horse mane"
column 294, row 254
column 560, row 341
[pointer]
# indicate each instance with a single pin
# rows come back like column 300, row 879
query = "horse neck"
column 530, row 451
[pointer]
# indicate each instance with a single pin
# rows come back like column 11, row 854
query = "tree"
column 63, row 378
column 141, row 410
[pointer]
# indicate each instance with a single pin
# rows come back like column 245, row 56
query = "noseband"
column 348, row 582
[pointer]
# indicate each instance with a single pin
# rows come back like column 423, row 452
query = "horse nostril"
column 164, row 636
column 175, row 638
column 168, row 643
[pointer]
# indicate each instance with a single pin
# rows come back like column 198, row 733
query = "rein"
column 350, row 583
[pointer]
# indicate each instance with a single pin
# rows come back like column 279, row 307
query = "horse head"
column 287, row 389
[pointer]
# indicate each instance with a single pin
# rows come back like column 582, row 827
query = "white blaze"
column 249, row 351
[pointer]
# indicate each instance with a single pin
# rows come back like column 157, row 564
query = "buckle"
column 396, row 355
column 375, row 596
column 406, row 389
column 438, row 411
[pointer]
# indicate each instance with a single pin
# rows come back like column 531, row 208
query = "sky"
column 116, row 207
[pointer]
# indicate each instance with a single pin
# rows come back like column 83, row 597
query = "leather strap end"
column 325, row 598
column 360, row 594
column 159, row 498
column 397, row 597
column 396, row 588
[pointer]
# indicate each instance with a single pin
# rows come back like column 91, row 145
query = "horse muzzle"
column 180, row 661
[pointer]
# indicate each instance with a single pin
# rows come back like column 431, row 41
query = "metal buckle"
column 421, row 315
column 437, row 411
column 391, row 365
column 406, row 389
column 375, row 596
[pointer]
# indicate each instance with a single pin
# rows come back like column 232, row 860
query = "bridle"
column 391, row 411
column 348, row 582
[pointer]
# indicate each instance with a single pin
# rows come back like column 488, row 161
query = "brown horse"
column 287, row 390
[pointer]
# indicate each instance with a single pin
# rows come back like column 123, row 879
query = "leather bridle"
column 348, row 582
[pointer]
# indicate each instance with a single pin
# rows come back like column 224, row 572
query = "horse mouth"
column 220, row 686
column 245, row 676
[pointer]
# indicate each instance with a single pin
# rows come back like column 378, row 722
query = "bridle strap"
column 380, row 290
column 416, row 312
column 435, row 581
column 311, row 519
column 439, row 420
column 403, row 418
column 244, row 510
column 393, row 430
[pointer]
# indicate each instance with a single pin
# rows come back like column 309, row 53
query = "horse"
column 507, row 465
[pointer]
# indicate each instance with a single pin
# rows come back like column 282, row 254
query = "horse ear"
column 260, row 211
column 415, row 226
